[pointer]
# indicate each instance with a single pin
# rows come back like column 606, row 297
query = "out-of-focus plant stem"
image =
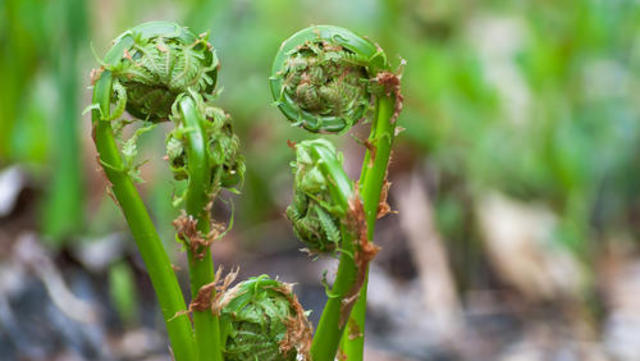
column 63, row 208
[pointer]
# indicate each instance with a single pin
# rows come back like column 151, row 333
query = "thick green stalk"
column 156, row 260
column 327, row 336
column 333, row 320
column 335, row 314
column 200, row 262
column 374, row 173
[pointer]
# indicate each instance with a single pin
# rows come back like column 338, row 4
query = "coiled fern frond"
column 321, row 78
column 321, row 194
column 263, row 320
column 223, row 146
column 159, row 71
column 155, row 62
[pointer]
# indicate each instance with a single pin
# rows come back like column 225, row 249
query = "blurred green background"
column 516, row 176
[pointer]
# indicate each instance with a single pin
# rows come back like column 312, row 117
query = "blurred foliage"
column 123, row 292
column 40, row 102
column 536, row 99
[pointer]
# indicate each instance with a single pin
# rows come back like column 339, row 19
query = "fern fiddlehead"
column 321, row 196
column 325, row 79
column 263, row 320
column 222, row 148
column 320, row 78
column 159, row 71
column 155, row 62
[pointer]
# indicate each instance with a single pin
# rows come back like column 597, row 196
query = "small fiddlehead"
column 322, row 78
column 155, row 62
column 225, row 162
column 321, row 194
column 157, row 70
column 263, row 320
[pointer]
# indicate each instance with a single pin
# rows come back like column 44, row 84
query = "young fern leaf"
column 120, row 92
column 155, row 66
column 321, row 194
column 321, row 78
column 225, row 162
column 151, row 67
column 261, row 319
column 329, row 226
column 130, row 152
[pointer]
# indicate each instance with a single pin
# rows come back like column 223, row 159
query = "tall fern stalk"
column 325, row 79
column 159, row 71
column 372, row 181
column 153, row 254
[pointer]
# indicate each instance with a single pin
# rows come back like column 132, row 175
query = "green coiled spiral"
column 225, row 161
column 322, row 76
column 321, row 194
column 154, row 66
column 154, row 63
column 264, row 322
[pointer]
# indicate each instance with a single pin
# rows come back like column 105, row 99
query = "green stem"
column 201, row 271
column 374, row 173
column 333, row 320
column 155, row 258
column 327, row 337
